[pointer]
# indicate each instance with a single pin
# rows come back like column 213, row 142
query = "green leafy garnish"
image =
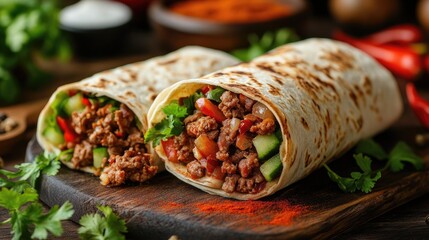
column 365, row 180
column 26, row 214
column 371, row 148
column 189, row 102
column 265, row 43
column 215, row 94
column 172, row 124
column 20, row 198
column 27, row 27
column 400, row 154
column 95, row 226
column 31, row 171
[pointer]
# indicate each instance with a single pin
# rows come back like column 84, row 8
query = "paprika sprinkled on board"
column 228, row 11
column 284, row 212
column 279, row 212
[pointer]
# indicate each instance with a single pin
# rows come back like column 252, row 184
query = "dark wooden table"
column 404, row 222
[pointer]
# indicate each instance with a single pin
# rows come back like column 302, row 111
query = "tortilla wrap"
column 137, row 85
column 324, row 94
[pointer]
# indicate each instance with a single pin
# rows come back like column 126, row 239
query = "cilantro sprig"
column 365, row 180
column 95, row 226
column 172, row 124
column 28, row 27
column 265, row 43
column 20, row 198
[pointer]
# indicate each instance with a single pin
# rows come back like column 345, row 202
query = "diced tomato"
column 217, row 173
column 243, row 142
column 210, row 164
column 206, row 146
column 86, row 102
column 69, row 134
column 72, row 92
column 119, row 134
column 170, row 150
column 206, row 89
column 245, row 126
column 209, row 109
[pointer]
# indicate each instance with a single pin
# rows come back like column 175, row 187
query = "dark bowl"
column 175, row 31
column 95, row 43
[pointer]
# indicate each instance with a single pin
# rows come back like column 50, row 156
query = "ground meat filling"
column 236, row 162
column 115, row 129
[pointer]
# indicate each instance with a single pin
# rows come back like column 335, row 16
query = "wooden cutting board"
column 311, row 208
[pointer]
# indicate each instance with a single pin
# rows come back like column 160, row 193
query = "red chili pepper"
column 170, row 150
column 402, row 34
column 402, row 62
column 244, row 126
column 69, row 134
column 419, row 105
column 209, row 109
column 86, row 102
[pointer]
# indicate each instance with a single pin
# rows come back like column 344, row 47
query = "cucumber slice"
column 271, row 168
column 98, row 154
column 266, row 145
column 54, row 135
column 74, row 104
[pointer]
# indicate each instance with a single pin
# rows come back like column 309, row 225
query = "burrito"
column 249, row 130
column 97, row 125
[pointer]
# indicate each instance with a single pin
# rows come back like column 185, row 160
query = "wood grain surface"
column 311, row 208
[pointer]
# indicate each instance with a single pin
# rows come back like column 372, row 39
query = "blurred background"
column 47, row 43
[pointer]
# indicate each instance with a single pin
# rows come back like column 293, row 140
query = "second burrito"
column 250, row 130
column 97, row 125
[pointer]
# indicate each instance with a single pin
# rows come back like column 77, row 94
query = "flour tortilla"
column 325, row 95
column 137, row 85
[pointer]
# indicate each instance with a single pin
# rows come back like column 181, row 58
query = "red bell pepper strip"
column 69, row 134
column 209, row 109
column 86, row 102
column 402, row 34
column 402, row 62
column 170, row 150
column 419, row 105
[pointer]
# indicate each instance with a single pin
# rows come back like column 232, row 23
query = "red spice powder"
column 168, row 206
column 262, row 212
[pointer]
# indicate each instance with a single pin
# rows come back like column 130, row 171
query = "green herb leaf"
column 174, row 109
column 363, row 181
column 215, row 94
column 402, row 153
column 171, row 125
column 51, row 222
column 189, row 102
column 27, row 27
column 265, row 43
column 94, row 226
column 371, row 148
column 12, row 200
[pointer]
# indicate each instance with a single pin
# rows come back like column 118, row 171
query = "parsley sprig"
column 365, row 180
column 26, row 217
column 97, row 227
column 172, row 124
column 20, row 198
column 265, row 43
